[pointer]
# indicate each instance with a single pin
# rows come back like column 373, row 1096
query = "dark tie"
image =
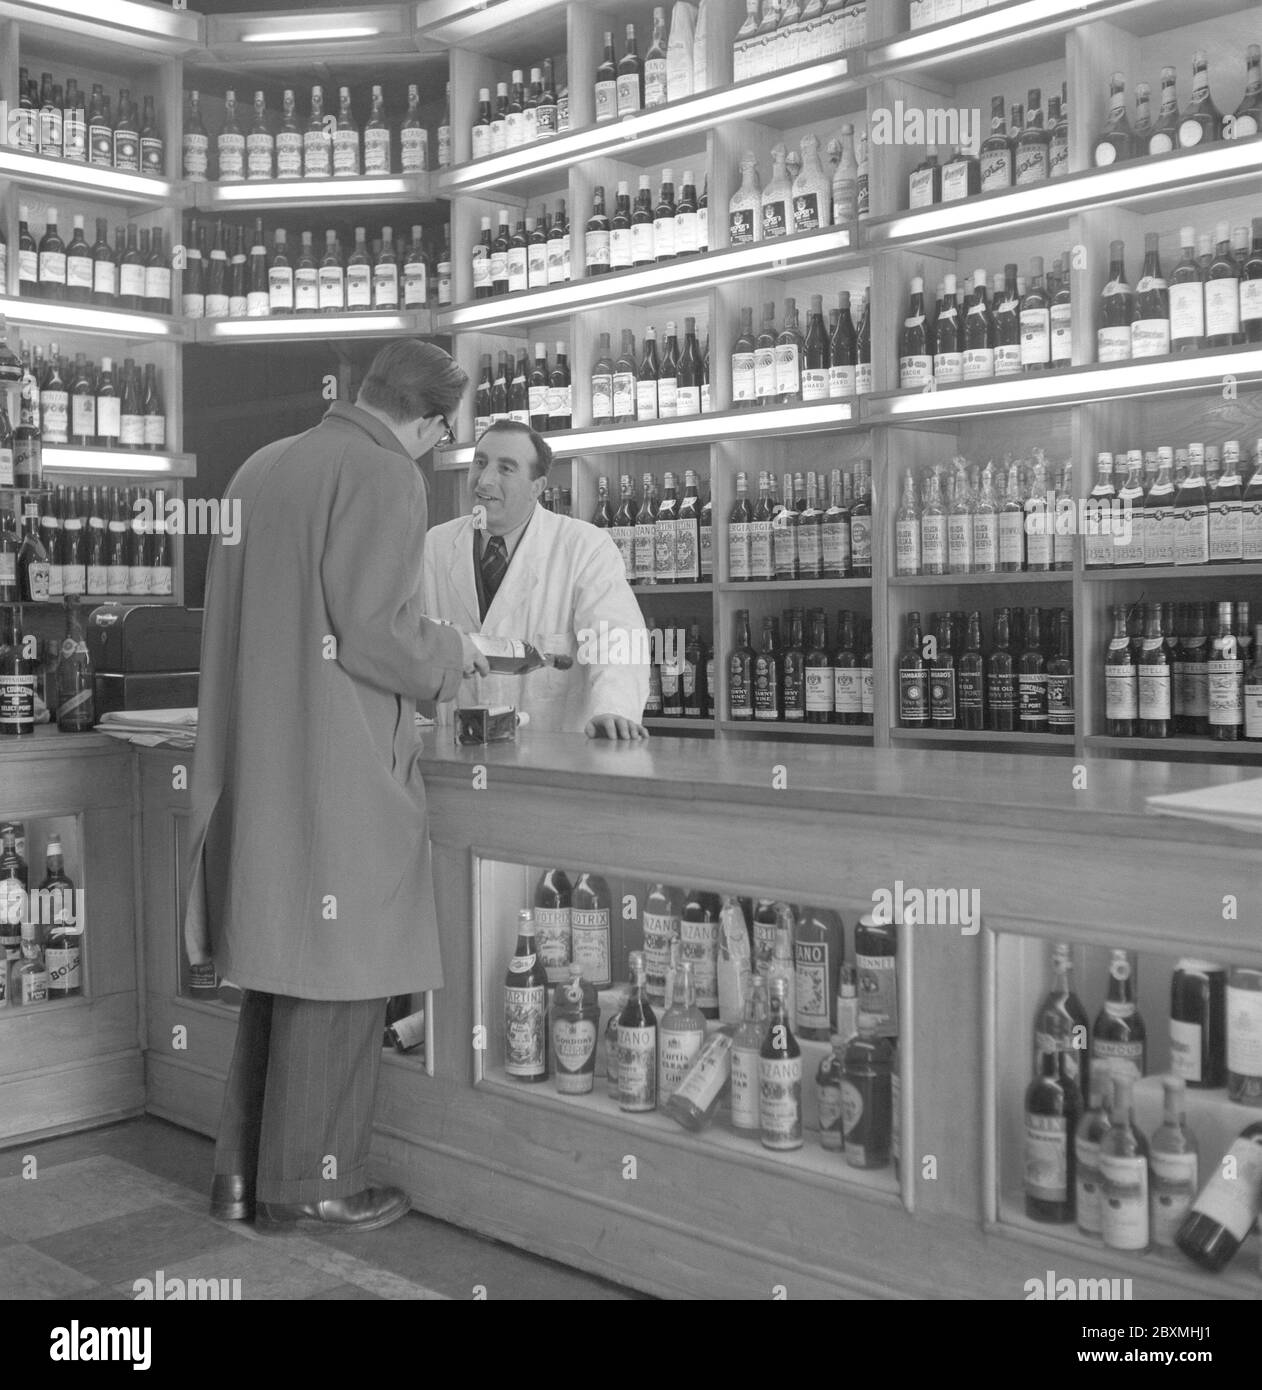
column 494, row 565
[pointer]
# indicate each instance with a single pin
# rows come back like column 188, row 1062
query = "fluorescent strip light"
column 117, row 461
column 979, row 27
column 81, row 318
column 147, row 18
column 1149, row 376
column 310, row 35
column 1137, row 179
column 715, row 268
column 315, row 190
column 82, row 176
column 680, row 118
column 314, row 326
column 691, row 429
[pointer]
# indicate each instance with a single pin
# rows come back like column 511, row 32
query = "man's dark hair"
column 543, row 452
column 409, row 379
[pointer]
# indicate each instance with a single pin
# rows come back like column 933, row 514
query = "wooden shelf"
column 980, row 738
column 774, row 586
column 666, row 590
column 828, row 247
column 1001, row 578
column 1240, row 751
column 778, row 728
column 686, row 725
column 1252, row 570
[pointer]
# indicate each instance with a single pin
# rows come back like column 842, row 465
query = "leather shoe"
column 368, row 1210
column 231, row 1197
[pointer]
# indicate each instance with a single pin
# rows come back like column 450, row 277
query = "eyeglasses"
column 448, row 435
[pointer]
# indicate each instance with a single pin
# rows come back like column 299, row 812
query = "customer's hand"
column 474, row 661
column 616, row 727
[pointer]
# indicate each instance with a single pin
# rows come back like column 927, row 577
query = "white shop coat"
column 565, row 579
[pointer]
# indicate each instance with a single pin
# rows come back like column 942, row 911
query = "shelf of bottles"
column 43, row 915
column 1146, row 1072
column 583, row 1013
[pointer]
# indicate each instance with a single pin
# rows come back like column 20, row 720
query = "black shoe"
column 368, row 1210
column 231, row 1197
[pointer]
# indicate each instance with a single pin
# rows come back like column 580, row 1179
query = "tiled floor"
column 99, row 1211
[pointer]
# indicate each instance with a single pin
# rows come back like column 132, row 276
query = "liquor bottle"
column 789, row 354
column 667, row 386
column 589, row 924
column 280, row 278
column 1060, row 679
column 645, row 533
column 699, row 946
column 835, row 532
column 1117, row 311
column 52, row 260
column 1222, row 293
column 1032, row 679
column 257, row 292
column 1119, row 1038
column 948, row 336
column 346, row 153
column 621, row 256
column 525, row 1007
column 705, row 547
column 288, row 143
column 1202, row 121
column 747, row 1043
column 104, row 270
column 260, row 146
column 637, row 1043
column 1247, row 119
column 17, row 719
column 915, row 359
column 829, row 1098
column 63, row 952
column 54, row 403
column 1251, row 287
column 740, row 680
column 195, row 143
column 743, row 388
column 1154, row 678
column 601, row 384
column 740, row 541
column 157, row 276
column 685, row 235
column 629, row 87
column 978, row 362
column 925, row 182
column 1224, row 1212
column 1121, row 690
column 780, row 1077
column 359, row 273
column 867, row 1096
column 317, row 141
column 776, row 205
column 680, row 1035
column 76, row 708
column 1187, row 298
column 33, row 570
column 691, row 373
column 861, row 522
column 1173, row 1160
column 131, row 276
column 74, row 128
column 646, row 377
column 660, row 924
column 1053, row 1105
column 1000, row 677
column 1060, row 314
column 1124, row 1151
column 960, row 524
column 995, row 155
column 745, row 207
column 1226, row 516
column 596, row 239
column 78, row 265
column 1089, row 1182
column 664, row 533
column 1033, row 144
column 483, row 137
column 1225, row 679
column 687, row 537
column 1163, row 135
column 1115, row 141
column 415, row 275
column 794, row 665
column 1198, row 1023
column 768, row 676
column 625, row 373
column 863, row 348
column 1007, row 324
column 1191, row 513
column 230, row 144
column 913, row 679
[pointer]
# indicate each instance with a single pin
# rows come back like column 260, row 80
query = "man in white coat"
column 514, row 569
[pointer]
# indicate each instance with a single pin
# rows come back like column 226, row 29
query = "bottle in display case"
column 1124, row 1153
column 553, row 900
column 1052, row 1107
column 696, row 1100
column 636, row 1041
column 1119, row 1038
column 867, row 1097
column 591, row 945
column 1062, row 1017
column 1244, row 1035
column 699, row 946
column 1173, row 1162
column 876, row 961
column 1227, row 1207
column 1088, row 1182
column 1198, row 1023
column 828, row 1096
column 525, row 1007
column 680, row 1034
column 780, row 1077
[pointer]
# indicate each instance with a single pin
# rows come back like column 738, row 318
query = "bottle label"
column 1222, row 307
column 1089, row 1187
column 1154, row 692
column 996, row 169
column 289, row 155
column 836, row 549
column 317, row 152
column 258, row 156
column 1121, row 692
column 1191, row 535
column 55, row 409
column 1047, row 1157
column 624, row 396
column 1060, row 702
column 1187, row 312
column 1174, row 1181
column 196, row 156
column 743, row 384
column 948, row 368
column 517, row 270
column 861, row 541
column 742, row 229
column 345, row 153
column 878, row 988
column 685, row 233
column 552, row 926
column 627, row 94
column 788, row 370
column 596, row 249
column 708, row 1074
column 1150, row 337
column 643, row 245
column 358, row 287
column 131, row 280
column 819, row 699
column 765, row 373
column 64, row 969
column 231, row 158
column 942, row 693
column 812, row 972
column 1226, row 531
column 978, row 364
column 955, row 181
column 815, row 384
column 920, row 188
column 745, row 1088
column 780, row 1101
column 1032, row 698
column 52, row 266
column 1233, row 1202
column 646, row 400
column 660, row 929
column 1124, row 1209
column 688, row 400
column 1250, row 298
column 524, row 1049
column 1244, row 1033
column 1226, row 692
column 590, row 943
column 677, row 1049
column 1036, row 343
column 1185, row 1050
column 1253, row 711
column 828, row 1101
column 413, row 150
column 806, row 212
column 847, row 695
column 637, row 1067
column 774, row 219
column 915, row 372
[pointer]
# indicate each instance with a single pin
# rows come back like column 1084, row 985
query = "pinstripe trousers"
column 297, row 1112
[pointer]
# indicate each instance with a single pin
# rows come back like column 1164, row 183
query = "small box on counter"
column 488, row 724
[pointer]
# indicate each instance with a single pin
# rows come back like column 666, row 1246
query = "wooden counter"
column 714, row 1215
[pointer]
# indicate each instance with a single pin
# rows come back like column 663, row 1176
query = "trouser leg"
column 240, row 1122
column 324, row 1060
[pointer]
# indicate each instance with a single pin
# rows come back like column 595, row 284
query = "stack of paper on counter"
column 1235, row 804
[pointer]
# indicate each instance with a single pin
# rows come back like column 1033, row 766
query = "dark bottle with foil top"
column 1119, row 1039
column 1062, row 1018
column 1198, row 1023
column 553, row 900
column 525, row 1007
column 1052, row 1107
column 780, row 1076
column 1244, row 1035
column 867, row 1100
column 575, row 1024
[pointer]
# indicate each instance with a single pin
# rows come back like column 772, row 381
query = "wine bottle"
column 1115, row 141
column 1202, row 121
column 230, row 143
column 525, row 1007
column 260, row 146
column 1052, row 1109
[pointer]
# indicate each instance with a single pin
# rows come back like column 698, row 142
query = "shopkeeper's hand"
column 474, row 661
column 616, row 727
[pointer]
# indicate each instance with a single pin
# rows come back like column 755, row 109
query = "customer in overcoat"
column 308, row 845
